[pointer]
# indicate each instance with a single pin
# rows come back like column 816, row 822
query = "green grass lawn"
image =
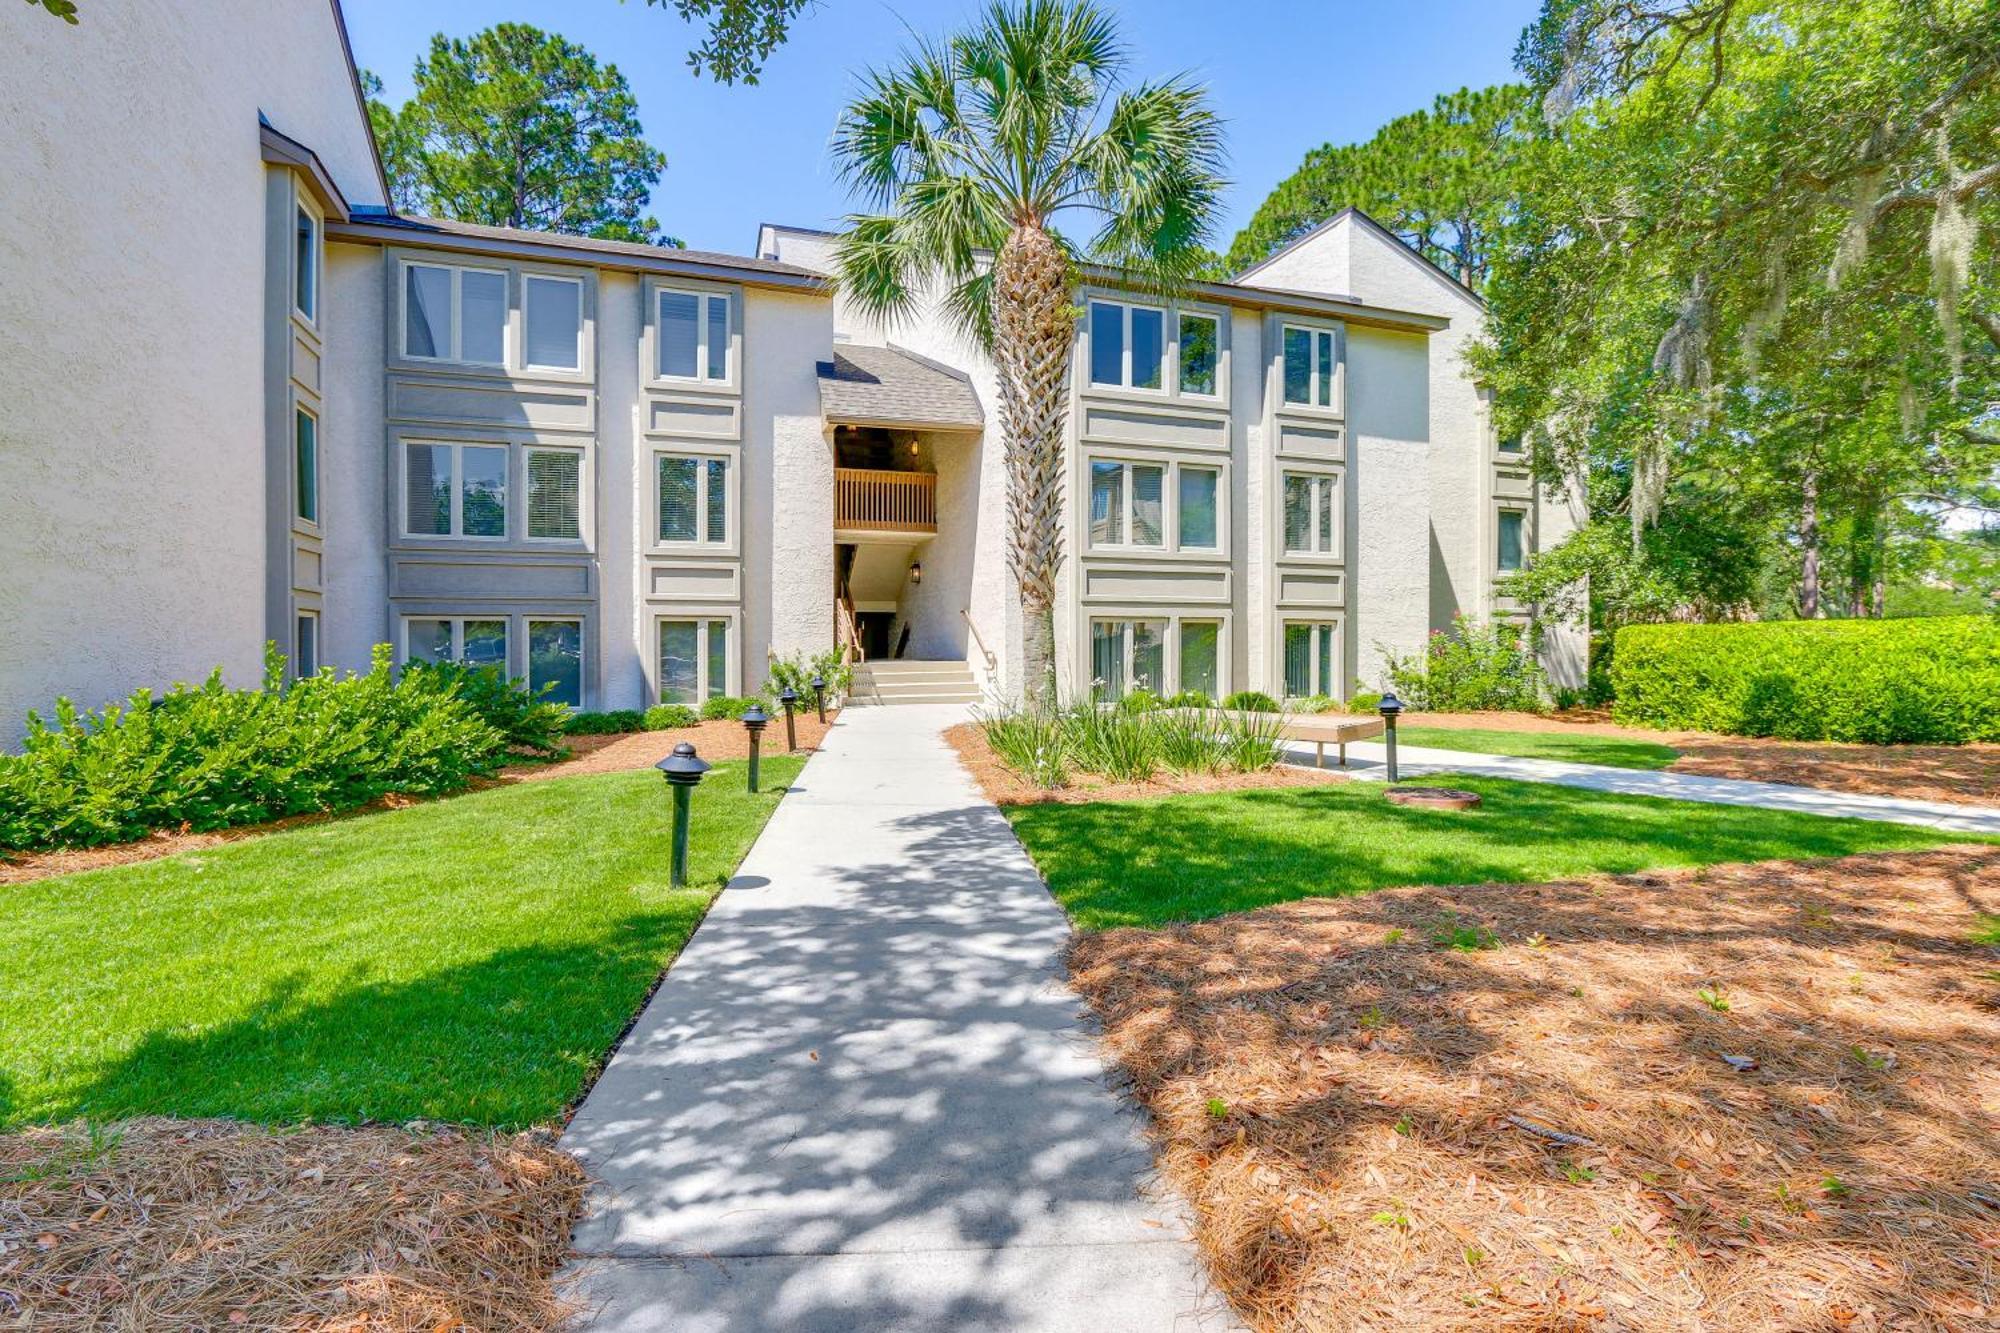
column 1579, row 748
column 468, row 960
column 1183, row 858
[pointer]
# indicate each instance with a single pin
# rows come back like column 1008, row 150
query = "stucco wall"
column 623, row 482
column 787, row 481
column 131, row 354
column 352, row 457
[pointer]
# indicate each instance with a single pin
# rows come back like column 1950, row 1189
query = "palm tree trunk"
column 1033, row 331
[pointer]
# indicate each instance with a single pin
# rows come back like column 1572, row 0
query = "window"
column 694, row 499
column 1198, row 527
column 1126, row 504
column 693, row 335
column 474, row 642
column 305, row 436
column 555, row 494
column 1201, row 346
column 1311, row 509
column 1200, row 653
column 1128, row 345
column 454, row 314
column 455, row 490
column 305, row 266
column 1510, row 444
column 555, row 657
column 1312, row 652
column 694, row 661
column 554, row 311
column 1127, row 655
column 1310, row 364
column 305, row 645
column 1512, row 532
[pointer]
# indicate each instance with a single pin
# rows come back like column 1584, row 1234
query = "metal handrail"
column 844, row 606
column 992, row 662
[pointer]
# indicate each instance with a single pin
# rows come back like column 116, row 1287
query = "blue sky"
column 1286, row 77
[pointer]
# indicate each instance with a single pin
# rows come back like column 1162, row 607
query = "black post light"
column 683, row 770
column 1389, row 708
column 819, row 697
column 754, row 722
column 790, row 699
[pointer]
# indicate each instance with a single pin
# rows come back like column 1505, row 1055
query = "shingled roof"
column 886, row 386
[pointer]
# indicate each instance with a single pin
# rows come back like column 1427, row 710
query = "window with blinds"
column 1311, row 509
column 555, row 494
column 1200, row 651
column 553, row 311
column 455, row 490
column 1312, row 653
column 1127, row 655
column 692, row 335
column 1127, row 504
column 694, row 499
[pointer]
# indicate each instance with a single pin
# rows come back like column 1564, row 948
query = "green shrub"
column 1033, row 743
column 1119, row 745
column 1878, row 682
column 1191, row 742
column 1480, row 665
column 1251, row 701
column 527, row 719
column 1140, row 701
column 1364, row 701
column 209, row 757
column 796, row 672
column 729, row 706
column 1191, row 699
column 605, row 724
column 1315, row 703
column 1252, row 741
column 665, row 717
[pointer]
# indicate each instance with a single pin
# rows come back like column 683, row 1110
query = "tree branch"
column 1967, row 185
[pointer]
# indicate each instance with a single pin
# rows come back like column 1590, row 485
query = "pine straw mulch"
column 1004, row 786
column 208, row 1224
column 1559, row 1132
column 588, row 754
column 1964, row 774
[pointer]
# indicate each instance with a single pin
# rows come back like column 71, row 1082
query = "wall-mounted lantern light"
column 917, row 572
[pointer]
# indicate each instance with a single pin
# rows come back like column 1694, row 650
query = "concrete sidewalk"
column 862, row 1099
column 1366, row 760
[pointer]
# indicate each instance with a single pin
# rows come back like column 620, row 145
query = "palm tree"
column 968, row 151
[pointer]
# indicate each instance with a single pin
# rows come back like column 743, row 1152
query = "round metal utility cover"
column 1433, row 798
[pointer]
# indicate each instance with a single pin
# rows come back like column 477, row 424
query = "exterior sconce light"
column 683, row 770
column 917, row 572
column 754, row 722
column 1390, row 708
column 789, row 699
column 819, row 697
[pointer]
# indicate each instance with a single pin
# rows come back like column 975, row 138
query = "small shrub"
column 1252, row 741
column 1190, row 742
column 1191, row 699
column 1032, row 743
column 1449, row 933
column 665, row 717
column 1117, row 744
column 1479, row 665
column 1218, row 1109
column 726, row 706
column 1713, row 997
column 1251, row 701
column 606, row 723
column 1364, row 701
column 796, row 671
column 1315, row 703
column 1141, row 701
column 524, row 717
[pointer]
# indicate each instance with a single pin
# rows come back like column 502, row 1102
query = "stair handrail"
column 992, row 662
column 848, row 630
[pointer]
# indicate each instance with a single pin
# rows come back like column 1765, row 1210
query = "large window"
column 1311, row 360
column 305, row 464
column 471, row 640
column 455, row 314
column 1513, row 540
column 1312, row 657
column 455, row 490
column 305, row 265
column 1198, row 518
column 1127, row 655
column 553, row 308
column 693, row 336
column 1312, row 501
column 1126, row 504
column 1201, row 353
column 1200, row 657
column 694, row 661
column 694, row 499
column 555, row 494
column 555, row 658
column 1128, row 345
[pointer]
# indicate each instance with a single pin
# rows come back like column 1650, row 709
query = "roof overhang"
column 1344, row 309
column 896, row 389
column 283, row 150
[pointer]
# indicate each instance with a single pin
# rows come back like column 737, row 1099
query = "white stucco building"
column 243, row 401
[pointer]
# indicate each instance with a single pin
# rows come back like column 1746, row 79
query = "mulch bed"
column 588, row 754
column 1004, row 786
column 206, row 1224
column 1559, row 1131
column 1965, row 774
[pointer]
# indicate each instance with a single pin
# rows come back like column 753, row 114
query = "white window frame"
column 1331, row 625
column 732, row 523
column 1336, row 387
column 301, row 409
column 1221, row 623
column 1221, row 360
column 1169, row 645
column 302, row 616
column 1220, row 550
column 456, row 312
column 457, row 533
column 528, row 623
column 1169, row 363
column 457, row 621
column 534, row 275
column 732, row 661
column 310, row 317
column 1168, row 482
column 583, row 482
column 703, row 354
column 1527, row 537
column 1331, row 495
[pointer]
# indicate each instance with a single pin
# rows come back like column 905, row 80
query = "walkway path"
column 862, row 1099
column 1414, row 760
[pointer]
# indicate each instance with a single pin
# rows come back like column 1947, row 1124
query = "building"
column 244, row 401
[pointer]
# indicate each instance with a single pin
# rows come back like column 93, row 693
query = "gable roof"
column 1352, row 212
column 887, row 386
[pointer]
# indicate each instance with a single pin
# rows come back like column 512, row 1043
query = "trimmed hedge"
column 1881, row 682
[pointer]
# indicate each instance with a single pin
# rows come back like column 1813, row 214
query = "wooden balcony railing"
column 869, row 499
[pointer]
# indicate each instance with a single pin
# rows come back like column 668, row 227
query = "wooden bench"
column 1323, row 731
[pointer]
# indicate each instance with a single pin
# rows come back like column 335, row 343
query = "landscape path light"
column 754, row 722
column 683, row 769
column 1390, row 708
column 819, row 697
column 789, row 699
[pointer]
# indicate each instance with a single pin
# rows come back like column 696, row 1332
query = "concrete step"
column 863, row 699
column 903, row 667
column 896, row 689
